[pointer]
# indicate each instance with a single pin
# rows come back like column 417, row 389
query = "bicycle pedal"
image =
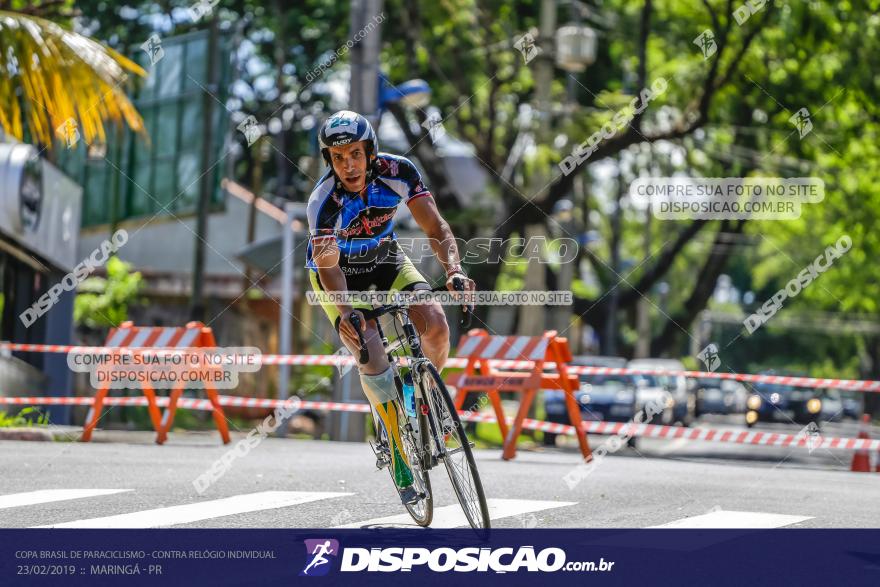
column 383, row 455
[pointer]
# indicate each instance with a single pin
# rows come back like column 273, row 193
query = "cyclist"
column 352, row 246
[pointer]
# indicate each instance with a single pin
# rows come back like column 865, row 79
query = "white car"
column 673, row 389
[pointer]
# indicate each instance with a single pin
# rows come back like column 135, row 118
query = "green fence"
column 141, row 177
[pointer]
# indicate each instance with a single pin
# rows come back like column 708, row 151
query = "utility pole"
column 364, row 99
column 288, row 246
column 197, row 302
column 643, row 310
column 609, row 342
column 533, row 318
column 365, row 57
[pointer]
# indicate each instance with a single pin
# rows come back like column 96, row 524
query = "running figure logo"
column 317, row 550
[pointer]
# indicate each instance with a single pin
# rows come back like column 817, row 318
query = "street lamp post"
column 288, row 246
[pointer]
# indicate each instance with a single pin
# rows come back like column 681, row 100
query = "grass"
column 25, row 418
column 488, row 434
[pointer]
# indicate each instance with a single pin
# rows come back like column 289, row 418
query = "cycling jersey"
column 363, row 226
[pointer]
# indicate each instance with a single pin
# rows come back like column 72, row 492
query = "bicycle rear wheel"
column 459, row 458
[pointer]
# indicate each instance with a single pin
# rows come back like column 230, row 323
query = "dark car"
column 719, row 396
column 600, row 397
column 709, row 397
column 783, row 403
column 852, row 403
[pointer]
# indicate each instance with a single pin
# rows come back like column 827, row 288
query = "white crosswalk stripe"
column 49, row 495
column 736, row 520
column 195, row 512
column 452, row 516
column 448, row 516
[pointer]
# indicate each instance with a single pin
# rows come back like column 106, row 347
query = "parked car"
column 832, row 405
column 719, row 396
column 683, row 402
column 654, row 389
column 783, row 403
column 600, row 397
column 852, row 403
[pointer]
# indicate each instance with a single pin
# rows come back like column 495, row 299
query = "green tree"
column 104, row 302
column 50, row 75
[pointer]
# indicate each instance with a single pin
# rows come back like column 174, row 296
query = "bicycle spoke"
column 422, row 511
column 457, row 457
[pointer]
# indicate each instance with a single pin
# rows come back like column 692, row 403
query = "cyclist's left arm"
column 426, row 214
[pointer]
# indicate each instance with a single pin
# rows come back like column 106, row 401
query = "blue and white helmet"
column 345, row 127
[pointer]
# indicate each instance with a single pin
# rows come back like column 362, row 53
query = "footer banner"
column 434, row 557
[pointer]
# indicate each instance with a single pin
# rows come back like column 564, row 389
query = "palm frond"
column 49, row 75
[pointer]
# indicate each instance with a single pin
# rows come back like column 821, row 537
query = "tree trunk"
column 679, row 324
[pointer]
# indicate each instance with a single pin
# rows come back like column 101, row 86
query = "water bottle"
column 409, row 395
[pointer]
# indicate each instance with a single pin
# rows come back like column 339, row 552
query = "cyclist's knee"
column 434, row 326
column 437, row 330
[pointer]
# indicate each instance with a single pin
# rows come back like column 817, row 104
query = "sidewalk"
column 72, row 434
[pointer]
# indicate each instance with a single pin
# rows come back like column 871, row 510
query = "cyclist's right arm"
column 325, row 254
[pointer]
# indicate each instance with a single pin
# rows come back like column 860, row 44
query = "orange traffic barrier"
column 861, row 462
column 128, row 336
column 478, row 347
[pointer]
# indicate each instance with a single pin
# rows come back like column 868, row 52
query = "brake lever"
column 467, row 311
column 358, row 326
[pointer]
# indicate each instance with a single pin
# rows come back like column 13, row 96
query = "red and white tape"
column 751, row 437
column 454, row 363
column 187, row 402
column 710, row 435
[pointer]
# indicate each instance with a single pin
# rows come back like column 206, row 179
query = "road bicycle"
column 430, row 430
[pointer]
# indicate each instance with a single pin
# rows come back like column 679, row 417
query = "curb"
column 26, row 434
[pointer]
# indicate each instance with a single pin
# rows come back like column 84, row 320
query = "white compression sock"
column 379, row 388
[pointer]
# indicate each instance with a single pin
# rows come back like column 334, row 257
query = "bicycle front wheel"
column 414, row 444
column 458, row 456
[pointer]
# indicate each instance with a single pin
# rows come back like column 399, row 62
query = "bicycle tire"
column 478, row 517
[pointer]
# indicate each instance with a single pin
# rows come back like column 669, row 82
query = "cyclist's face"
column 350, row 164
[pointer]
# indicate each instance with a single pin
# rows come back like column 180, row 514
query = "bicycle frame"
column 416, row 358
column 469, row 489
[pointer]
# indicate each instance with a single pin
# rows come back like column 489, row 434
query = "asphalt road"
column 282, row 483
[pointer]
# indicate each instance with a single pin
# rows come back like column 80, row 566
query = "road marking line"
column 452, row 516
column 739, row 520
column 194, row 512
column 49, row 495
